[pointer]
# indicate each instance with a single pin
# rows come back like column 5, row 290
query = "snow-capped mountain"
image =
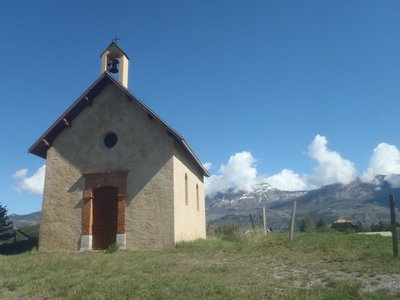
column 358, row 201
column 262, row 194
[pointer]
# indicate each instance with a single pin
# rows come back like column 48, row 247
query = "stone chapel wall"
column 144, row 150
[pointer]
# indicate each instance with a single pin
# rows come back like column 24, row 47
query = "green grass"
column 314, row 266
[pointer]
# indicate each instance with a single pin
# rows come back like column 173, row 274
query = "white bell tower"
column 113, row 57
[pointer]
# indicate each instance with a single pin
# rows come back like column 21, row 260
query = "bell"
column 114, row 66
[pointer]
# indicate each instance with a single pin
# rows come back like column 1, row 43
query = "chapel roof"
column 40, row 147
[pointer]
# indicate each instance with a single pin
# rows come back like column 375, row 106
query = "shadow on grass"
column 18, row 247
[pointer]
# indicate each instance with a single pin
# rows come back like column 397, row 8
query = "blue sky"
column 254, row 86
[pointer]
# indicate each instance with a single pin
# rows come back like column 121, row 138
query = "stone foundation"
column 121, row 241
column 86, row 243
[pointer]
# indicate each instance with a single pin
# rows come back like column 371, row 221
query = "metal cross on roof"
column 115, row 39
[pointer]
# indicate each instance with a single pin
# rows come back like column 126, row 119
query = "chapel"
column 116, row 173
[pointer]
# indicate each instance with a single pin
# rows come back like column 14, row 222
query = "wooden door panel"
column 105, row 217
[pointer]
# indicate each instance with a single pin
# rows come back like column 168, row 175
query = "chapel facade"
column 117, row 173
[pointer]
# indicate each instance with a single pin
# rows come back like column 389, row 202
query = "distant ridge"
column 23, row 220
column 358, row 201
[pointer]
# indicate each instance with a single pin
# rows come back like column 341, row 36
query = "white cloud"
column 385, row 160
column 33, row 184
column 394, row 180
column 208, row 165
column 332, row 167
column 287, row 180
column 20, row 173
column 239, row 173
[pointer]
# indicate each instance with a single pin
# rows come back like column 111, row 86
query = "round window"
column 110, row 140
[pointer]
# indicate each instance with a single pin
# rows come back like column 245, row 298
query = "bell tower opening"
column 115, row 61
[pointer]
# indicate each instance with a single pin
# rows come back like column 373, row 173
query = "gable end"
column 41, row 146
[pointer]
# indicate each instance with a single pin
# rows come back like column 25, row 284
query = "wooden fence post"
column 264, row 221
column 292, row 221
column 252, row 222
column 393, row 225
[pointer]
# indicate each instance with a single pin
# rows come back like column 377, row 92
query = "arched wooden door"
column 105, row 217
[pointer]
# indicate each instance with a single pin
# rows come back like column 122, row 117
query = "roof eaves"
column 39, row 148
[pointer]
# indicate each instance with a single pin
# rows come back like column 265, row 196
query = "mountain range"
column 24, row 220
column 358, row 201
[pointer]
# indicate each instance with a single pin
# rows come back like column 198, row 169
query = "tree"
column 359, row 227
column 320, row 225
column 6, row 226
column 306, row 224
column 381, row 226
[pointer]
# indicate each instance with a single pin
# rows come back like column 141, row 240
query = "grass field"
column 314, row 266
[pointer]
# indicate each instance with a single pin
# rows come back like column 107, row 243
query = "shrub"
column 112, row 248
column 306, row 224
column 229, row 229
column 210, row 231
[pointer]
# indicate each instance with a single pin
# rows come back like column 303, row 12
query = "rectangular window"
column 197, row 197
column 186, row 190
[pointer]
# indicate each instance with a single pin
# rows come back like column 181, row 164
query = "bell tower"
column 114, row 60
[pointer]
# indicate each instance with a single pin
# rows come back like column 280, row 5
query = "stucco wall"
column 144, row 149
column 189, row 220
column 62, row 205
